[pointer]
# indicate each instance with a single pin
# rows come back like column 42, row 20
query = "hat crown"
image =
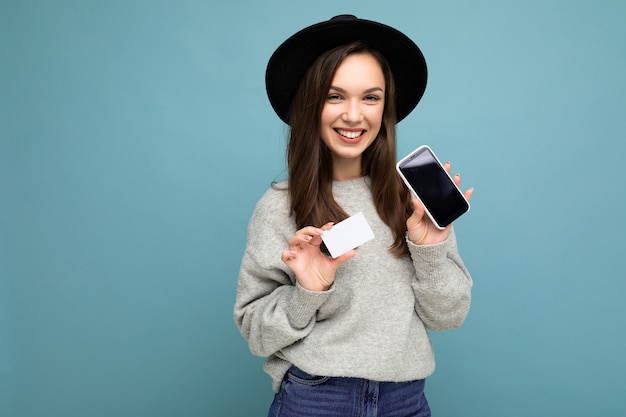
column 344, row 17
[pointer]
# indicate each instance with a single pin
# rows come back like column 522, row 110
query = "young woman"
column 347, row 336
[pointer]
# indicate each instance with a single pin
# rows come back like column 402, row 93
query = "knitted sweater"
column 372, row 323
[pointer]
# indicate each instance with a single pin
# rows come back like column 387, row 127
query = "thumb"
column 418, row 213
column 345, row 257
column 418, row 207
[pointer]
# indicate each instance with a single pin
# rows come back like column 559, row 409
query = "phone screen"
column 423, row 173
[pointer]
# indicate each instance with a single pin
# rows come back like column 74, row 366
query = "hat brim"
column 292, row 58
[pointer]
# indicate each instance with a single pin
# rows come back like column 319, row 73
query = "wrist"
column 314, row 287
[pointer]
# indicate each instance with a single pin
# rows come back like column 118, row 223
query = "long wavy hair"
column 309, row 160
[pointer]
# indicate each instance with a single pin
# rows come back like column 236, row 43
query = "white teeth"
column 349, row 135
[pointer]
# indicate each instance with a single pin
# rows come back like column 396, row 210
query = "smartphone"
column 422, row 172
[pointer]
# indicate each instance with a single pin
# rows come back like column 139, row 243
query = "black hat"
column 290, row 61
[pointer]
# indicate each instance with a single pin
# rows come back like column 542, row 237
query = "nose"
column 353, row 112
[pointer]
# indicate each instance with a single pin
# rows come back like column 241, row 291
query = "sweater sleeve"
column 272, row 310
column 442, row 286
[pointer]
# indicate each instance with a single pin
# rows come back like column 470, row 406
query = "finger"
column 468, row 193
column 418, row 208
column 457, row 179
column 327, row 226
column 344, row 257
column 446, row 166
column 288, row 256
column 310, row 231
column 296, row 241
column 317, row 240
column 418, row 214
column 304, row 235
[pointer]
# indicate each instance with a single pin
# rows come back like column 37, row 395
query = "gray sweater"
column 372, row 323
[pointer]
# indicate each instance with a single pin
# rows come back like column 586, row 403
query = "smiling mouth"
column 350, row 134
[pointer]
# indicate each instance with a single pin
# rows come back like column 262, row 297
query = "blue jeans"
column 304, row 395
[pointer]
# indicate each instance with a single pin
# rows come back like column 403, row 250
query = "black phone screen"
column 433, row 186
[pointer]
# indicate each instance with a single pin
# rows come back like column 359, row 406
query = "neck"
column 344, row 170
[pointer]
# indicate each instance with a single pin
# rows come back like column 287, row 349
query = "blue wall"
column 135, row 139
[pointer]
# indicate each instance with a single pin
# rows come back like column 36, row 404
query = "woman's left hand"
column 421, row 230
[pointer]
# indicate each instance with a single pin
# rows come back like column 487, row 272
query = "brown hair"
column 309, row 160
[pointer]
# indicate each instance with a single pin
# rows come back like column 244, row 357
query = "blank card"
column 347, row 234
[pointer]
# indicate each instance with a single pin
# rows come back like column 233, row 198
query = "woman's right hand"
column 314, row 270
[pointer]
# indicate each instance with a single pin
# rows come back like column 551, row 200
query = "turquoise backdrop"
column 136, row 137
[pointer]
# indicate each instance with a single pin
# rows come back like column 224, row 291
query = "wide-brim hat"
column 289, row 63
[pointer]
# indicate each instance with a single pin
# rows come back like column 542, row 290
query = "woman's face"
column 352, row 114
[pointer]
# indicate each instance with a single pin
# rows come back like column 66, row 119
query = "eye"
column 372, row 97
column 334, row 97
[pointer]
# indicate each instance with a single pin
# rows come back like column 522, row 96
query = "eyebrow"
column 369, row 90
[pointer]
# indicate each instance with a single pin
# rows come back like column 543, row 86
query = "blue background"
column 136, row 137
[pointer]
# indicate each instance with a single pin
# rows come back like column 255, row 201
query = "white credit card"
column 347, row 235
